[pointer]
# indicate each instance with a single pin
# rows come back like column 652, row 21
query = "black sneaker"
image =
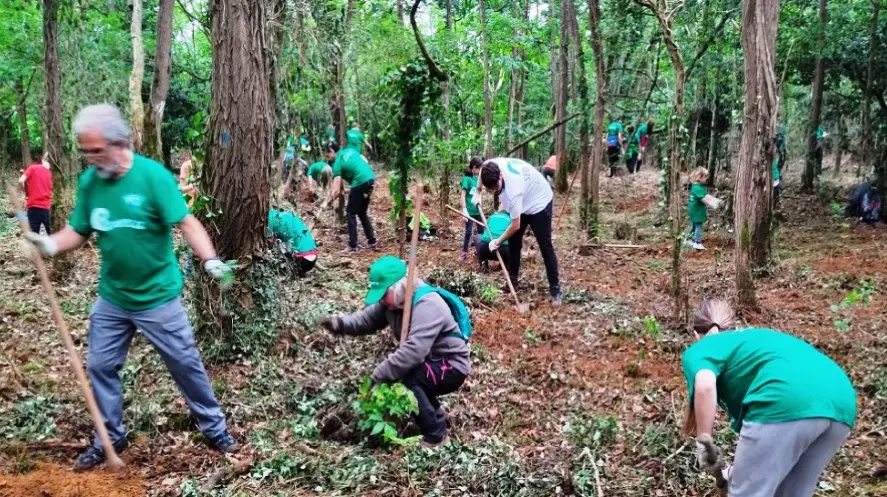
column 372, row 246
column 225, row 443
column 94, row 456
column 557, row 297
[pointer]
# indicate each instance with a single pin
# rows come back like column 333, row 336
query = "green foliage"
column 381, row 406
column 30, row 420
column 592, row 431
column 464, row 284
column 859, row 295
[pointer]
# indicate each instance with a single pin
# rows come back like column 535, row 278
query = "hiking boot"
column 93, row 456
column 698, row 246
column 430, row 445
column 224, row 443
column 463, row 256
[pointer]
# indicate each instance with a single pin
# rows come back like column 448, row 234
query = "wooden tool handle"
column 113, row 461
column 411, row 266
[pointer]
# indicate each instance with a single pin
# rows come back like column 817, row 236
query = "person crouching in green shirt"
column 698, row 206
column 792, row 405
column 496, row 224
column 320, row 175
column 131, row 203
column 352, row 167
column 287, row 231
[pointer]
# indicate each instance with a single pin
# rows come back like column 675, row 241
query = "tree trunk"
column 22, row 111
column 54, row 144
column 753, row 197
column 813, row 164
column 713, row 139
column 515, row 73
column 152, row 145
column 561, row 179
column 448, row 155
column 340, row 117
column 488, row 104
column 400, row 11
column 839, row 146
column 591, row 178
column 865, row 159
column 135, row 78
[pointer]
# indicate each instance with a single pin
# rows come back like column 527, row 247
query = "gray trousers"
column 167, row 328
column 784, row 459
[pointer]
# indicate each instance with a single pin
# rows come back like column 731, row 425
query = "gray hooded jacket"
column 434, row 335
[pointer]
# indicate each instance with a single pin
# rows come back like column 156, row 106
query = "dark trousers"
column 303, row 265
column 541, row 226
column 485, row 255
column 632, row 163
column 469, row 227
column 613, row 155
column 428, row 381
column 38, row 217
column 358, row 205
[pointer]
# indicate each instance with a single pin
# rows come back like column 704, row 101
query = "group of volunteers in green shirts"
column 634, row 148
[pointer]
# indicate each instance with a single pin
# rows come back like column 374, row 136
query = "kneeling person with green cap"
column 435, row 358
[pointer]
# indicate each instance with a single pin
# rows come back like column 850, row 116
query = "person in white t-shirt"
column 527, row 197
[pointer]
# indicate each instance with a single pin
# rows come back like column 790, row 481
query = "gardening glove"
column 709, row 455
column 44, row 243
column 475, row 196
column 331, row 324
column 219, row 271
column 494, row 244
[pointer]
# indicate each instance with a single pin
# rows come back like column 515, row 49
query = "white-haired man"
column 132, row 203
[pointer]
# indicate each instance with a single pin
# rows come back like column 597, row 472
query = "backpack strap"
column 425, row 290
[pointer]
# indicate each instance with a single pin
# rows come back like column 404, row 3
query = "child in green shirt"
column 792, row 406
column 468, row 187
column 698, row 206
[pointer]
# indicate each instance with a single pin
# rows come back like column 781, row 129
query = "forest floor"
column 582, row 399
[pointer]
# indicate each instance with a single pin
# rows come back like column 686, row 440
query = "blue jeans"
column 110, row 332
column 469, row 226
column 696, row 232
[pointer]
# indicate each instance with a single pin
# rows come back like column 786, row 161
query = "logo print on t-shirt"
column 100, row 220
column 134, row 201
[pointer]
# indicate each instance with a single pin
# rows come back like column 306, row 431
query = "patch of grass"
column 652, row 327
column 577, row 296
column 490, row 294
column 531, row 337
column 655, row 265
column 30, row 420
column 592, row 431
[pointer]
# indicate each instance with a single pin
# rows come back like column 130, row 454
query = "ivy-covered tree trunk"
column 865, row 158
column 752, row 201
column 591, row 178
column 137, row 109
column 21, row 110
column 561, row 180
column 237, row 171
column 153, row 143
column 448, row 156
column 54, row 144
column 488, row 98
column 813, row 162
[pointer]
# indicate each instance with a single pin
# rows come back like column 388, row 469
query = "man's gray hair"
column 105, row 119
column 400, row 289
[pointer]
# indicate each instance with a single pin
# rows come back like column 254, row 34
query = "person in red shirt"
column 37, row 185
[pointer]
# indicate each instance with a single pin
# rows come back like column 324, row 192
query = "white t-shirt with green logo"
column 133, row 218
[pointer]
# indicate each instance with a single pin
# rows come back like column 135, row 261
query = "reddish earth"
column 51, row 480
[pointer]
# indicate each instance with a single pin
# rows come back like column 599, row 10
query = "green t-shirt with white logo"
column 316, row 169
column 352, row 167
column 469, row 185
column 133, row 218
column 291, row 229
column 765, row 376
column 496, row 224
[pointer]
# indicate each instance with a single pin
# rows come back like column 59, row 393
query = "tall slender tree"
column 561, row 98
column 153, row 145
column 54, row 144
column 21, row 104
column 488, row 98
column 866, row 155
column 752, row 201
column 813, row 162
column 135, row 79
column 591, row 179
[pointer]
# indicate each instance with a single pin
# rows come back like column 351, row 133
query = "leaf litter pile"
column 584, row 399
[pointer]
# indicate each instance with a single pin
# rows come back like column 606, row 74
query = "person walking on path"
column 792, row 406
column 468, row 190
column 641, row 138
column 131, row 203
column 36, row 182
column 353, row 168
column 697, row 207
column 435, row 358
column 528, row 198
column 615, row 144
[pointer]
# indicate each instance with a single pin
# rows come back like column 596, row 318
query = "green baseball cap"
column 384, row 272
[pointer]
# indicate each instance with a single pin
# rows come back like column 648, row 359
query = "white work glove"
column 475, row 196
column 219, row 271
column 44, row 243
column 716, row 203
column 776, row 183
column 709, row 455
column 465, row 212
column 494, row 244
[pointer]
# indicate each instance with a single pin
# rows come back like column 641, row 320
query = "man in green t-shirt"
column 496, row 224
column 320, row 175
column 467, row 192
column 353, row 168
column 615, row 143
column 287, row 231
column 131, row 203
column 792, row 405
